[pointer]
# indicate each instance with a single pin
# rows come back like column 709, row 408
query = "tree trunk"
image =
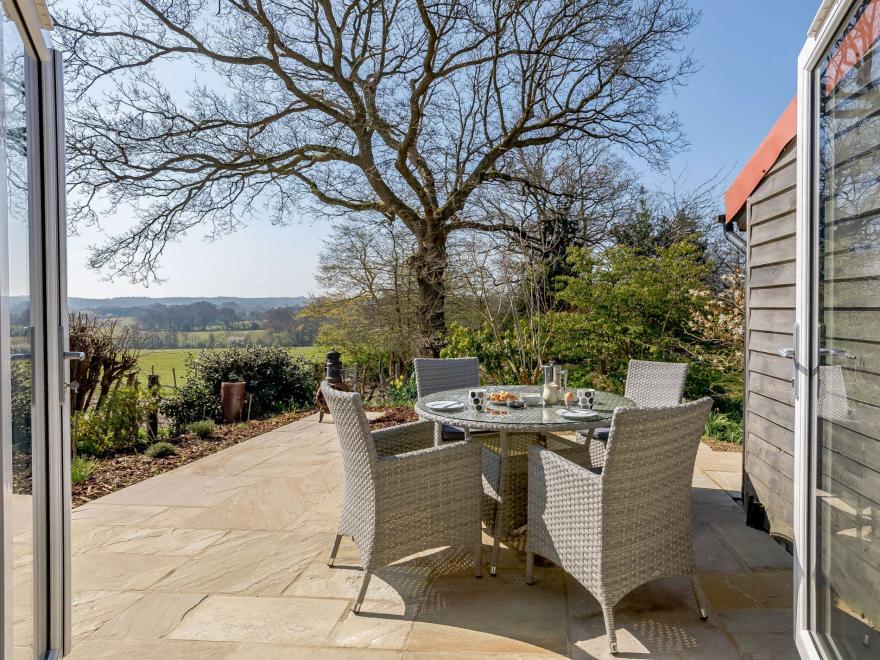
column 429, row 265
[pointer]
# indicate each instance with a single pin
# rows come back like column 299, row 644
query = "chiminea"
column 333, row 375
column 334, row 368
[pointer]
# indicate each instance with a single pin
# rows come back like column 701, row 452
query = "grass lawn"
column 205, row 338
column 162, row 361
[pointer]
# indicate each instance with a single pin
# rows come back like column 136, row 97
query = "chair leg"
column 608, row 613
column 334, row 550
column 530, row 567
column 356, row 608
column 700, row 597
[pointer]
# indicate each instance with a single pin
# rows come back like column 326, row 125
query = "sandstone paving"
column 181, row 488
column 151, row 617
column 308, row 621
column 114, row 571
column 244, row 562
column 92, row 609
column 143, row 540
column 226, row 558
column 751, row 546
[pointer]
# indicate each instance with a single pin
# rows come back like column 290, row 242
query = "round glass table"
column 540, row 419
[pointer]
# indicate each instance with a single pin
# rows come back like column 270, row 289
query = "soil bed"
column 718, row 445
column 393, row 416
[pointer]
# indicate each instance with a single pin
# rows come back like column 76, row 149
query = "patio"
column 225, row 558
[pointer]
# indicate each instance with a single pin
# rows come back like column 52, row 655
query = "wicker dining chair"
column 628, row 523
column 401, row 494
column 439, row 374
column 648, row 384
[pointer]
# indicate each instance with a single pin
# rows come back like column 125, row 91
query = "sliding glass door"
column 33, row 374
column 839, row 434
column 25, row 455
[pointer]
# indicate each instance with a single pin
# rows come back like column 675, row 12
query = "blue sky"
column 747, row 51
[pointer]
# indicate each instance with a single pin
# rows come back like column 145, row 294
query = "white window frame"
column 825, row 27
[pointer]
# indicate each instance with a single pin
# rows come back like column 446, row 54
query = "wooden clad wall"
column 770, row 303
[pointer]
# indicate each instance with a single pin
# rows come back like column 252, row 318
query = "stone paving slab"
column 225, row 558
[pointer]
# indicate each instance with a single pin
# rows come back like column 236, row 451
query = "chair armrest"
column 556, row 481
column 434, row 465
column 404, row 438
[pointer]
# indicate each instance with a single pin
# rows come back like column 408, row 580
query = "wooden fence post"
column 153, row 417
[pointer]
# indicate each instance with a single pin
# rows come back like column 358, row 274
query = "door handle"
column 785, row 352
column 68, row 355
column 836, row 352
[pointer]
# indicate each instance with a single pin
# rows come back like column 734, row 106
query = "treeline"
column 207, row 325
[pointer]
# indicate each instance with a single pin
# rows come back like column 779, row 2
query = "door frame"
column 50, row 427
column 49, row 222
column 828, row 20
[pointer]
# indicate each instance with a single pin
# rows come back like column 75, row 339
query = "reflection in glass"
column 847, row 562
column 14, row 197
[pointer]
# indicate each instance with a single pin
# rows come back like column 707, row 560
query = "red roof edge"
column 762, row 160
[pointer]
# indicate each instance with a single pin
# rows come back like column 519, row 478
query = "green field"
column 196, row 339
column 162, row 361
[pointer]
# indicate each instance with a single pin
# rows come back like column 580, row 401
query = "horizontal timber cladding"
column 770, row 300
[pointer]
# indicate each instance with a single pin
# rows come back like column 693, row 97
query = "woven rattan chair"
column 628, row 523
column 437, row 375
column 648, row 384
column 402, row 495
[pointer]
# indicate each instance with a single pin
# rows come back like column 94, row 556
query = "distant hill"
column 113, row 306
column 193, row 322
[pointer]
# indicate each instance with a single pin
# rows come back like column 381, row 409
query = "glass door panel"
column 18, row 275
column 846, row 363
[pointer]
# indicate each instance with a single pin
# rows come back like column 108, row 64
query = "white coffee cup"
column 477, row 399
column 586, row 398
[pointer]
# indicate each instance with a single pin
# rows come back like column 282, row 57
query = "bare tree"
column 370, row 304
column 552, row 198
column 510, row 292
column 110, row 357
column 398, row 108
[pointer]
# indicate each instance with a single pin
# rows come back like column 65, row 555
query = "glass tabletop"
column 499, row 416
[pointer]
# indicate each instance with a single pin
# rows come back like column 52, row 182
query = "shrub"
column 273, row 377
column 114, row 427
column 501, row 359
column 724, row 427
column 204, row 428
column 401, row 391
column 161, row 450
column 193, row 401
column 81, row 469
column 21, row 407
